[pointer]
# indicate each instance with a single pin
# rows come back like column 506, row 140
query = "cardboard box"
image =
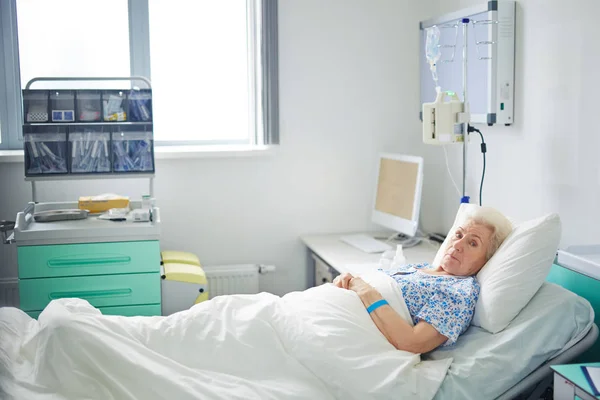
column 97, row 205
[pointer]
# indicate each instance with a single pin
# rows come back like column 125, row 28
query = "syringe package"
column 90, row 151
column 45, row 153
column 140, row 105
column 132, row 152
column 114, row 105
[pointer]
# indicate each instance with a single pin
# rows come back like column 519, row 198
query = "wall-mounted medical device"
column 489, row 47
column 442, row 122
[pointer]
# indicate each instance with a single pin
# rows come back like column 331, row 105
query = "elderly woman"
column 441, row 299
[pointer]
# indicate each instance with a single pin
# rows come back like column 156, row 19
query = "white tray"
column 583, row 259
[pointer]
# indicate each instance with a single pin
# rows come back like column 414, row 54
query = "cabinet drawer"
column 323, row 272
column 88, row 259
column 99, row 291
column 148, row 310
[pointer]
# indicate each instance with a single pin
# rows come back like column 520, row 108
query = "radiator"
column 234, row 279
column 9, row 292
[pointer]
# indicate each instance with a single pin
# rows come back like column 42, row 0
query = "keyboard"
column 365, row 243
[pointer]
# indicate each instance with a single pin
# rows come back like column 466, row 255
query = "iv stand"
column 465, row 124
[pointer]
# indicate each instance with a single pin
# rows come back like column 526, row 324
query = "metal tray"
column 60, row 215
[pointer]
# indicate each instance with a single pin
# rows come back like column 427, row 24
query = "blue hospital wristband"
column 376, row 305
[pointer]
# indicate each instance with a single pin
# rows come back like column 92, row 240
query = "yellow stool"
column 180, row 257
column 183, row 284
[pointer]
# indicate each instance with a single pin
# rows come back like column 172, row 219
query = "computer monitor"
column 397, row 199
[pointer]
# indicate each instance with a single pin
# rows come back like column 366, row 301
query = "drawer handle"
column 65, row 262
column 91, row 293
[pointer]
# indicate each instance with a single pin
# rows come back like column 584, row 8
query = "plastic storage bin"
column 35, row 105
column 132, row 151
column 90, row 150
column 45, row 151
column 62, row 106
column 89, row 105
column 114, row 106
column 140, row 105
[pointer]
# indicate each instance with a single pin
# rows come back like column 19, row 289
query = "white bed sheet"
column 315, row 344
column 486, row 365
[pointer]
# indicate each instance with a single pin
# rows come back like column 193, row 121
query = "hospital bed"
column 554, row 328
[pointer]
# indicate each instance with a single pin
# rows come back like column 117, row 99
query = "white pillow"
column 515, row 272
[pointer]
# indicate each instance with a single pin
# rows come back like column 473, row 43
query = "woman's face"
column 466, row 253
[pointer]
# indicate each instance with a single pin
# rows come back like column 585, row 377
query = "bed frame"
column 535, row 384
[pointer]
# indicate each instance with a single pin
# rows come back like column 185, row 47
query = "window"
column 200, row 75
column 55, row 43
column 213, row 64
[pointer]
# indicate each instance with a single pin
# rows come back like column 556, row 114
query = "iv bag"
column 433, row 52
column 432, row 45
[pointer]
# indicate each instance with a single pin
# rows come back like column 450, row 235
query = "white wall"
column 548, row 161
column 348, row 84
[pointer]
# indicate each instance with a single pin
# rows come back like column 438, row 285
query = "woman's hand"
column 343, row 280
column 350, row 282
column 359, row 286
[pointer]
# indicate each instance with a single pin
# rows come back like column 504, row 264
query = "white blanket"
column 315, row 344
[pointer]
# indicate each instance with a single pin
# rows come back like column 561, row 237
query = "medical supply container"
column 45, row 150
column 89, row 148
column 133, row 149
column 102, row 203
column 35, row 105
column 89, row 105
column 140, row 105
column 87, row 129
column 62, row 105
column 114, row 106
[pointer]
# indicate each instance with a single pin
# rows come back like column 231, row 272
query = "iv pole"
column 465, row 124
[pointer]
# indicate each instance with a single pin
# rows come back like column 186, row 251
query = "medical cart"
column 88, row 134
column 115, row 266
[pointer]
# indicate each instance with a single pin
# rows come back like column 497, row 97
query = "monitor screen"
column 398, row 192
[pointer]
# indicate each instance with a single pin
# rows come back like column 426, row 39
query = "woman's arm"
column 421, row 338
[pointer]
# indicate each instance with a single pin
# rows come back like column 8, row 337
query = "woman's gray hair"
column 500, row 225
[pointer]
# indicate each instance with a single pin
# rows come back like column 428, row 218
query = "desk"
column 569, row 381
column 328, row 256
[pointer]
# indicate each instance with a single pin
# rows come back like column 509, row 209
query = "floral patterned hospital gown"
column 445, row 302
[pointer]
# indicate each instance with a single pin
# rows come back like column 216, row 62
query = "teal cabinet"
column 88, row 259
column 99, row 291
column 570, row 382
column 120, row 278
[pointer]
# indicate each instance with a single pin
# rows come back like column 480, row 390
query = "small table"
column 570, row 381
column 328, row 256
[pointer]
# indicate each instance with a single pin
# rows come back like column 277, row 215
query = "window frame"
column 263, row 62
column 11, row 129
